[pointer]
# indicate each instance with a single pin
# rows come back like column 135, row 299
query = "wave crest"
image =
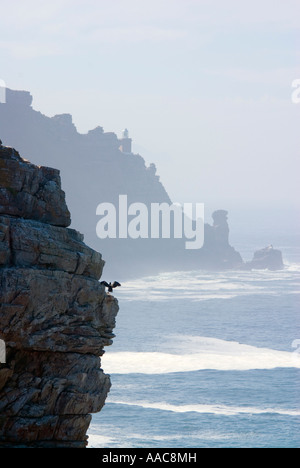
column 208, row 353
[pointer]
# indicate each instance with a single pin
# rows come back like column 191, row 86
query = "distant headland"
column 98, row 167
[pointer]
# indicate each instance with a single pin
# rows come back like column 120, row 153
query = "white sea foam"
column 200, row 286
column 128, row 439
column 206, row 353
column 173, row 346
column 98, row 440
column 222, row 410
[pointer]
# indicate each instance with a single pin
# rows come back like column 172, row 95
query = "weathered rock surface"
column 55, row 317
column 31, row 192
column 28, row 243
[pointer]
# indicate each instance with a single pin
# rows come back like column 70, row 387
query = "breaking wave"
column 222, row 410
column 207, row 353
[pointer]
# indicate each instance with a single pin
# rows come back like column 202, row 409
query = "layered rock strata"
column 55, row 317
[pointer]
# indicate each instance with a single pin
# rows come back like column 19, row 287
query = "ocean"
column 205, row 360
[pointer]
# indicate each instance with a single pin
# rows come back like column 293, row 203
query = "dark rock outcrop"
column 266, row 259
column 55, row 317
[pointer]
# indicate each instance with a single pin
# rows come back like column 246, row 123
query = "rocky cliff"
column 55, row 317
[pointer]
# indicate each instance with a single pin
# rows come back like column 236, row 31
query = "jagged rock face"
column 55, row 316
column 30, row 192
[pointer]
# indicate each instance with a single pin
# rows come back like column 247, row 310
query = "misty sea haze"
column 206, row 360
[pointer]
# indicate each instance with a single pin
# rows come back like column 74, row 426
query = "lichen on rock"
column 55, row 317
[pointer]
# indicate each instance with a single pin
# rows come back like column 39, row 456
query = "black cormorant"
column 110, row 286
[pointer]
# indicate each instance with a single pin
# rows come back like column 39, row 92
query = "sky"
column 204, row 86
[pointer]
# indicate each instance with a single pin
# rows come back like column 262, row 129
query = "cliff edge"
column 55, row 317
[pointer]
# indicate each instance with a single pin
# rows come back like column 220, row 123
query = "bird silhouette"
column 110, row 286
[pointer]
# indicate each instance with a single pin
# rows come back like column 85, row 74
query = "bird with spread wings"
column 110, row 286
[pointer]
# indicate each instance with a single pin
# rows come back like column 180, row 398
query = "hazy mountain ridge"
column 94, row 170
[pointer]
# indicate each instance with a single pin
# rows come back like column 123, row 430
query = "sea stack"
column 217, row 253
column 55, row 317
column 266, row 259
